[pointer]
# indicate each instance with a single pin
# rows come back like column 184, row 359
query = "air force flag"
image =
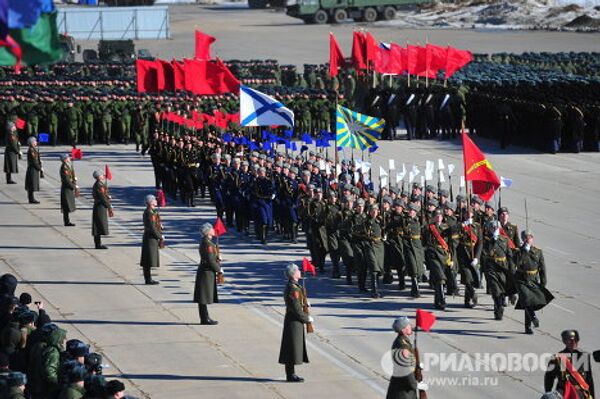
column 259, row 109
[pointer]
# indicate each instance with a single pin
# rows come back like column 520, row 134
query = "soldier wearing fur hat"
column 470, row 245
column 68, row 188
column 579, row 374
column 395, row 248
column 12, row 152
column 152, row 240
column 15, row 385
column 374, row 250
column 34, row 170
column 403, row 384
column 293, row 340
column 531, row 281
column 102, row 209
column 205, row 290
column 414, row 256
column 438, row 256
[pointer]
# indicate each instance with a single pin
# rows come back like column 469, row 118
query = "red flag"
column 425, row 320
column 107, row 172
column 76, row 153
column 308, row 267
column 160, row 75
column 178, row 75
column 168, row 75
column 390, row 60
column 20, row 123
column 219, row 228
column 147, row 79
column 228, row 83
column 206, row 77
column 161, row 199
column 411, row 59
column 336, row 58
column 456, row 59
column 570, row 391
column 358, row 51
column 371, row 50
column 203, row 42
column 479, row 170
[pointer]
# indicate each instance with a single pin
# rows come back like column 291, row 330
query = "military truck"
column 266, row 4
column 337, row 11
column 116, row 51
column 67, row 43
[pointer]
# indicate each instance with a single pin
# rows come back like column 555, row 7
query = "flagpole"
column 426, row 63
column 335, row 133
column 407, row 69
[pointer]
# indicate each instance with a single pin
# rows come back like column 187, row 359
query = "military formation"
column 36, row 359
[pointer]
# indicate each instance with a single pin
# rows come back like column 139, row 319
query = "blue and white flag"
column 259, row 109
column 505, row 182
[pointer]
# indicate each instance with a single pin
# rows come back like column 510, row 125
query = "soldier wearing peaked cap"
column 470, row 244
column 394, row 232
column 68, row 188
column 208, row 273
column 12, row 152
column 438, row 256
column 152, row 240
column 414, row 256
column 102, row 209
column 34, row 170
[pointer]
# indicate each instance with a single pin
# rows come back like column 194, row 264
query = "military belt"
column 191, row 165
column 416, row 237
column 531, row 272
column 502, row 259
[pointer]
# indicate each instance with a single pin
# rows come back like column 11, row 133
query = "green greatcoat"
column 72, row 391
column 293, row 341
column 11, row 153
column 100, row 210
column 205, row 289
column 498, row 266
column 15, row 393
column 34, row 167
column 436, row 256
column 413, row 248
column 67, row 188
column 374, row 249
column 151, row 239
column 531, row 279
column 402, row 385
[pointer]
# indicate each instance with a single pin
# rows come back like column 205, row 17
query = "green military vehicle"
column 116, row 51
column 337, row 11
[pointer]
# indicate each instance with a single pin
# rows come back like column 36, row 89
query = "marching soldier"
column 34, row 170
column 498, row 267
column 208, row 273
column 358, row 243
column 102, row 209
column 374, row 249
column 317, row 214
column 68, row 188
column 470, row 244
column 332, row 211
column 395, row 231
column 344, row 223
column 531, row 281
column 572, row 365
column 438, row 256
column 262, row 191
column 152, row 240
column 508, row 230
column 293, row 339
column 413, row 249
column 12, row 152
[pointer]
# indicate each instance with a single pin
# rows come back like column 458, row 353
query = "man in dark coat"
column 293, row 340
column 102, row 210
column 205, row 290
column 34, row 170
column 403, row 383
column 437, row 255
column 12, row 152
column 153, row 239
column 531, row 281
column 68, row 188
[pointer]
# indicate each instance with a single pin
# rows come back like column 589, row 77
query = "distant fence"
column 115, row 23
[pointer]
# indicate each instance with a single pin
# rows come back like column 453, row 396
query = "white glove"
column 163, row 238
column 222, row 270
column 20, row 153
column 308, row 303
column 422, row 386
column 273, row 196
column 468, row 222
column 310, row 319
column 474, row 262
column 527, row 247
column 496, row 234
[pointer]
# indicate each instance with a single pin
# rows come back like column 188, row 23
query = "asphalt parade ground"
column 151, row 337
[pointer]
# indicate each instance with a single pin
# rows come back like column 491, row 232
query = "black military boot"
column 290, row 374
column 295, row 233
column 335, row 269
column 31, row 198
column 362, row 280
column 349, row 272
column 98, row 243
column 263, row 238
column 414, row 290
column 439, row 300
column 401, row 282
column 375, row 286
column 498, row 308
column 532, row 317
column 204, row 317
column 148, row 277
column 9, row 179
column 66, row 220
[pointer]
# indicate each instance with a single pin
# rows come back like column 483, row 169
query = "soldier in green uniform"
column 34, row 170
column 332, row 214
column 140, row 126
column 33, row 119
column 51, row 112
column 15, row 385
column 68, row 188
column 498, row 267
column 152, row 240
column 531, row 281
column 125, row 121
column 102, row 209
column 357, row 239
column 438, row 256
column 74, row 388
column 394, row 232
column 413, row 249
column 12, row 152
column 403, row 383
column 87, row 122
column 107, row 120
column 293, row 339
column 344, row 223
column 374, row 250
column 468, row 251
column 73, row 120
column 317, row 215
column 205, row 289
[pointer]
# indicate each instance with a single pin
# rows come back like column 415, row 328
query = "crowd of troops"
column 36, row 359
column 417, row 232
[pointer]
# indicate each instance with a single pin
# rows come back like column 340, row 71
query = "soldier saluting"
column 293, row 340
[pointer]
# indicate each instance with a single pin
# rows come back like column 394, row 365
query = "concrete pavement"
column 151, row 336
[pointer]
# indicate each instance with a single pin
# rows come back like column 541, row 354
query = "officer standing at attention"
column 68, row 188
column 102, row 210
column 205, row 290
column 153, row 239
column 12, row 152
column 293, row 340
column 34, row 170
